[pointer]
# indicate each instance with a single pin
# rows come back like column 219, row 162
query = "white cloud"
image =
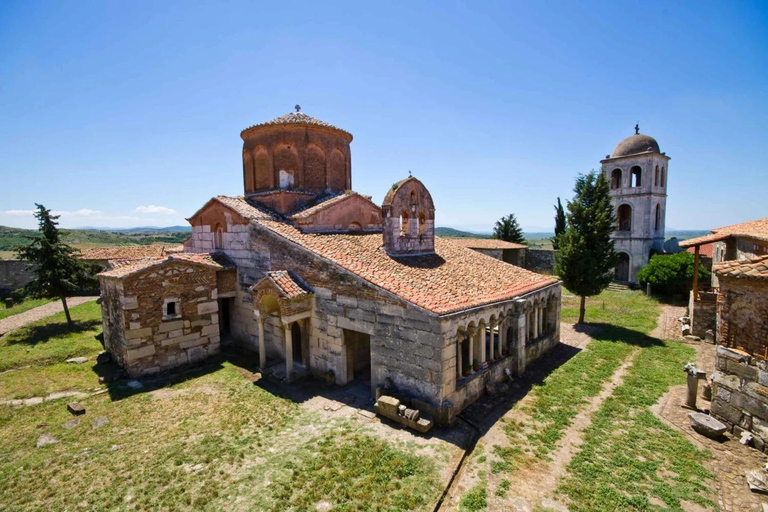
column 82, row 212
column 18, row 213
column 155, row 209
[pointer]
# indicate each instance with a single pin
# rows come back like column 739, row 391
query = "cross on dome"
column 298, row 108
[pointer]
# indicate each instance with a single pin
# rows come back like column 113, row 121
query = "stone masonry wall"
column 13, row 275
column 743, row 315
column 152, row 342
column 740, row 393
column 541, row 260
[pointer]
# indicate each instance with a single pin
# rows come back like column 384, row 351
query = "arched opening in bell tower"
column 616, row 179
column 624, row 218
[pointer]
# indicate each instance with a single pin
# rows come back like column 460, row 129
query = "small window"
column 636, row 176
column 171, row 309
column 422, row 224
column 616, row 179
column 404, row 223
column 656, row 180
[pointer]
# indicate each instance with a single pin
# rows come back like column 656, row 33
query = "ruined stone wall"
column 740, row 393
column 743, row 315
column 702, row 312
column 112, row 322
column 13, row 275
column 540, row 260
column 516, row 257
column 493, row 253
column 151, row 341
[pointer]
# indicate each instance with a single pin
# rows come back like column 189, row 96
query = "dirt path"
column 730, row 460
column 38, row 313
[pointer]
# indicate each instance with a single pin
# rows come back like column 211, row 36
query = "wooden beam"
column 696, row 273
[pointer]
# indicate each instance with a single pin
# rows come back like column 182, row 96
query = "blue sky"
column 129, row 113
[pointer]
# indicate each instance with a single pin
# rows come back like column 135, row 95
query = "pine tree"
column 509, row 230
column 559, row 224
column 58, row 271
column 586, row 257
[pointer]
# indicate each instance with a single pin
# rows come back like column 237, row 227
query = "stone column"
column 519, row 325
column 288, row 352
column 459, row 365
column 500, row 337
column 535, row 320
column 471, row 343
column 262, row 344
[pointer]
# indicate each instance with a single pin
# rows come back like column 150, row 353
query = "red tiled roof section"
column 130, row 252
column 453, row 279
column 320, row 207
column 754, row 268
column 125, row 268
column 705, row 250
column 757, row 229
column 486, row 243
column 290, row 286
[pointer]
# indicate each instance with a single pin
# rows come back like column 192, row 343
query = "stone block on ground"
column 45, row 439
column 706, row 425
column 71, row 423
column 757, row 481
column 99, row 422
column 77, row 360
column 76, row 408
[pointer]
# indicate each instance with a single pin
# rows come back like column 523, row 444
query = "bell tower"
column 409, row 219
column 637, row 174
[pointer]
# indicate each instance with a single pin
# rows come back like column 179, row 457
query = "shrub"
column 671, row 274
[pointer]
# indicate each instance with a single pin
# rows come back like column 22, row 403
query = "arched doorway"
column 622, row 267
column 296, row 341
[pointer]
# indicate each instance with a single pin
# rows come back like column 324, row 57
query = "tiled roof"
column 297, row 118
column 130, row 252
column 327, row 203
column 453, row 279
column 126, row 268
column 486, row 243
column 757, row 229
column 289, row 283
column 754, row 268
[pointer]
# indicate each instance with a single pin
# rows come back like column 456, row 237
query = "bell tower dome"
column 637, row 174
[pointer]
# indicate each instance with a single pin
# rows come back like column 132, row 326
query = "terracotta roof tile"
column 705, row 250
column 757, row 229
column 754, row 268
column 125, row 268
column 486, row 243
column 289, row 283
column 297, row 118
column 453, row 279
column 130, row 252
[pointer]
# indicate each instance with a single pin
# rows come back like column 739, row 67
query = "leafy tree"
column 58, row 271
column 560, row 224
column 670, row 274
column 509, row 230
column 586, row 257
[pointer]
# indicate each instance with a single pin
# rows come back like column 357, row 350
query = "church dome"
column 636, row 144
column 297, row 118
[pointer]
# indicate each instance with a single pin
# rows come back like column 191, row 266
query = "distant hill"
column 455, row 233
column 148, row 230
column 10, row 238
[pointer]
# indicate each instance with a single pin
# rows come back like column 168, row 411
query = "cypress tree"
column 586, row 257
column 559, row 224
column 509, row 230
column 58, row 272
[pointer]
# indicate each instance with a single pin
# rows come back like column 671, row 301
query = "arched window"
column 636, row 176
column 422, row 223
column 413, row 197
column 624, row 217
column 404, row 221
column 218, row 237
column 657, row 223
column 663, row 177
column 616, row 179
column 656, row 177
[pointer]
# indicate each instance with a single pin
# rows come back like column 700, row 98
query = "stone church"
column 316, row 279
column 637, row 173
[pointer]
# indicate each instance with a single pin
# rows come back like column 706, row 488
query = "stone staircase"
column 618, row 287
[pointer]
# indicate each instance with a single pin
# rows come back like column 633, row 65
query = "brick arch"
column 337, row 170
column 286, row 161
column 314, row 168
column 263, row 175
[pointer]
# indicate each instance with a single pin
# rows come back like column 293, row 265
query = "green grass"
column 22, row 307
column 474, row 499
column 352, row 471
column 205, row 440
column 629, row 454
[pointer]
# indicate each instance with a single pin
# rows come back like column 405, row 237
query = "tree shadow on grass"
column 35, row 334
column 608, row 332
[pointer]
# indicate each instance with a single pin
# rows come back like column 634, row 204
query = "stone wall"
column 743, row 315
column 540, row 260
column 740, row 393
column 140, row 334
column 703, row 313
column 13, row 275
